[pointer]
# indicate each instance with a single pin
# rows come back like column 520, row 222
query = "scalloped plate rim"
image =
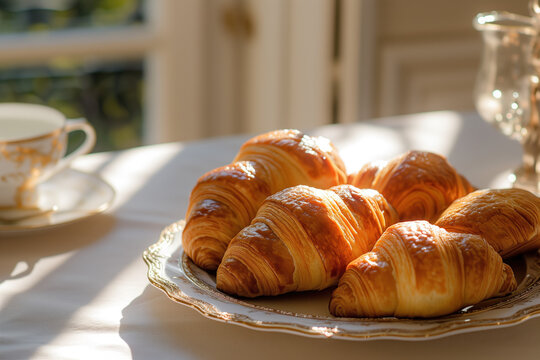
column 208, row 304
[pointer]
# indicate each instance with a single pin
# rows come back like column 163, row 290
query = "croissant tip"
column 509, row 283
column 335, row 306
column 234, row 278
column 205, row 259
column 205, row 252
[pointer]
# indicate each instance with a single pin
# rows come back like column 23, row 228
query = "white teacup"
column 33, row 141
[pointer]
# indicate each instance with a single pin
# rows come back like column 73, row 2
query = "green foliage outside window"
column 46, row 15
column 108, row 94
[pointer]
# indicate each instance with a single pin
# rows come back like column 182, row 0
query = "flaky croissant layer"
column 226, row 199
column 421, row 270
column 419, row 184
column 509, row 219
column 302, row 239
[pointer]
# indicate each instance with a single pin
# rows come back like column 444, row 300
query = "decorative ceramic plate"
column 68, row 196
column 170, row 270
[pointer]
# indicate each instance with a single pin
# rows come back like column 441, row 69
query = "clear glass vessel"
column 507, row 92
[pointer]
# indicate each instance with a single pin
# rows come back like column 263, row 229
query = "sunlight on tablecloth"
column 100, row 317
column 128, row 171
column 385, row 138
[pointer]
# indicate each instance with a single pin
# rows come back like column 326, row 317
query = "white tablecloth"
column 80, row 291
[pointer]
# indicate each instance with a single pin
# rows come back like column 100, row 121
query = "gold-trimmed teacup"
column 33, row 142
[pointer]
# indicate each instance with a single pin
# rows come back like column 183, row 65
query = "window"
column 106, row 89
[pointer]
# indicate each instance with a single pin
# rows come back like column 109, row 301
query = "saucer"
column 68, row 196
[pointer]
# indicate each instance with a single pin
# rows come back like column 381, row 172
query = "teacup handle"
column 84, row 148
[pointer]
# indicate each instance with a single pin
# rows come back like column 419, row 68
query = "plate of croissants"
column 285, row 239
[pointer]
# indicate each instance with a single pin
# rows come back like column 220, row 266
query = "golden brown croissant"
column 509, row 219
column 420, row 270
column 420, row 185
column 226, row 199
column 302, row 239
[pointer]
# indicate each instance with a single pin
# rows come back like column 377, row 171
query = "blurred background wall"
column 165, row 70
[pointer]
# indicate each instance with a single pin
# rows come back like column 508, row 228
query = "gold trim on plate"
column 170, row 270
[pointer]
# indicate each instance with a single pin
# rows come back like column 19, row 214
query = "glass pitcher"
column 507, row 87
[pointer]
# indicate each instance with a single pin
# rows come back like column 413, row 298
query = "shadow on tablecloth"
column 154, row 327
column 20, row 253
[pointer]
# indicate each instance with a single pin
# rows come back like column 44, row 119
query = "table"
column 80, row 291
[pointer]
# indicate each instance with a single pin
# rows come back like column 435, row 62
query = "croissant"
column 226, row 199
column 420, row 185
column 417, row 269
column 509, row 219
column 302, row 239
